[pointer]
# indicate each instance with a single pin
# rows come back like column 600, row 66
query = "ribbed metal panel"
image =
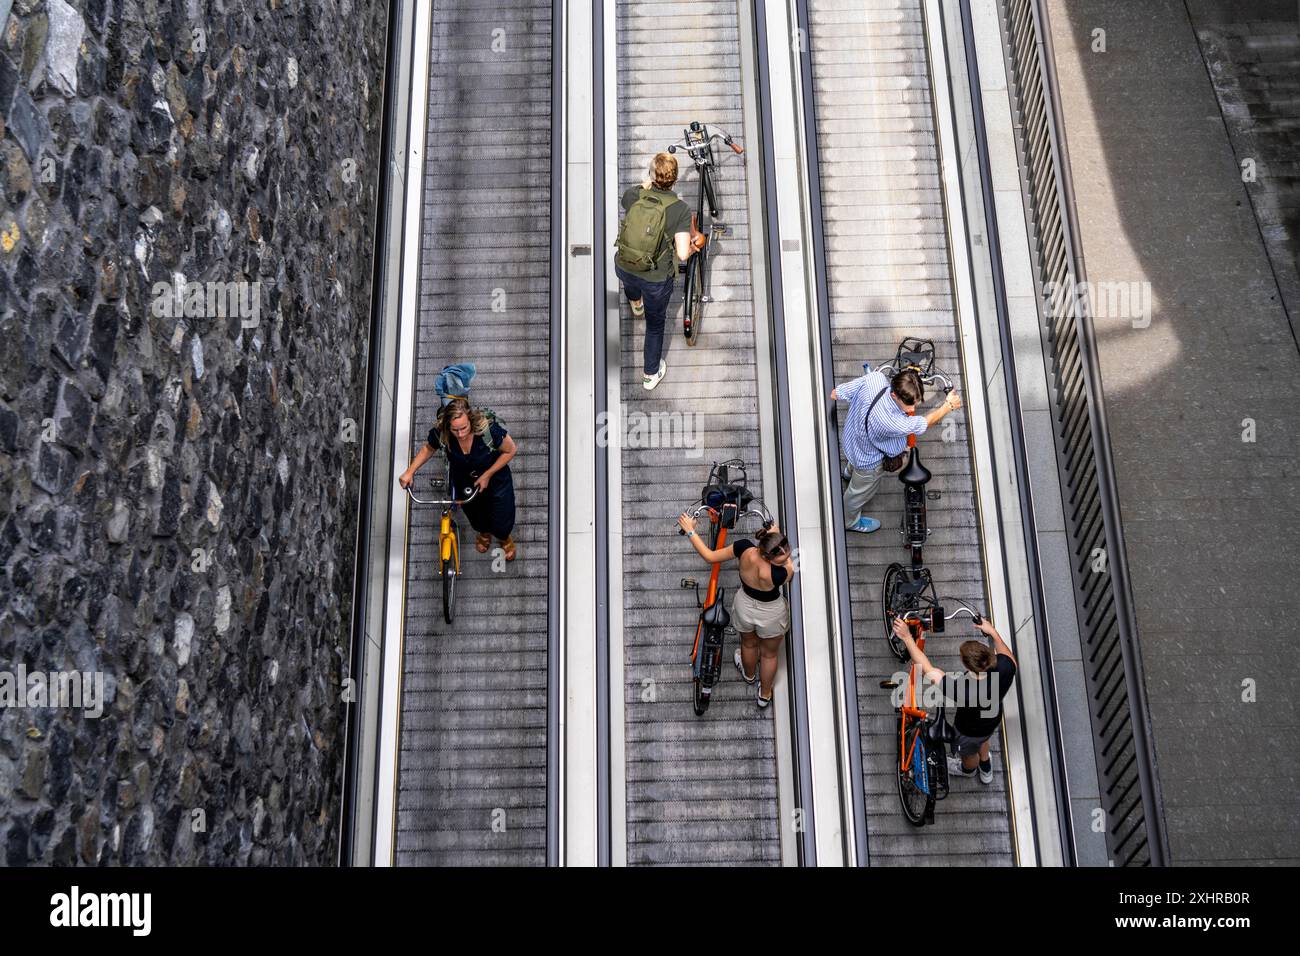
column 1119, row 719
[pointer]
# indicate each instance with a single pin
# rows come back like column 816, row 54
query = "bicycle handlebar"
column 445, row 502
column 760, row 513
column 934, row 375
column 691, row 148
column 919, row 615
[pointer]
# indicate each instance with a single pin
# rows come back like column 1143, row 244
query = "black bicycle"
column 727, row 499
column 697, row 141
column 909, row 588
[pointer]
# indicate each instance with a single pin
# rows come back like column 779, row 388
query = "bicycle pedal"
column 934, row 495
column 688, row 582
column 719, row 229
column 706, row 298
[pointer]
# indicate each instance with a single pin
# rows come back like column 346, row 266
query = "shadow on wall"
column 1202, row 406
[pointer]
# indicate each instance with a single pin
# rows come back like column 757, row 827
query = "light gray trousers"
column 861, row 489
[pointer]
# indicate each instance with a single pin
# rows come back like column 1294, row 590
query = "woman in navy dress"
column 479, row 452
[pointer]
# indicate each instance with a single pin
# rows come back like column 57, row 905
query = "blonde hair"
column 663, row 170
column 455, row 408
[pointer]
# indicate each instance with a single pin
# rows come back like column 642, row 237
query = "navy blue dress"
column 493, row 511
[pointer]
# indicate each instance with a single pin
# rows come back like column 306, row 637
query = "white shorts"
column 764, row 618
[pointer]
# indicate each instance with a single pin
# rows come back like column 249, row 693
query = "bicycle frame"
column 718, row 537
column 448, row 548
column 909, row 710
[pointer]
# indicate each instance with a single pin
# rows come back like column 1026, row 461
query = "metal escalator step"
column 474, row 695
column 699, row 790
column 887, row 270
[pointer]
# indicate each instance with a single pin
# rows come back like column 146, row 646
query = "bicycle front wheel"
column 693, row 298
column 450, row 572
column 914, row 790
column 888, row 599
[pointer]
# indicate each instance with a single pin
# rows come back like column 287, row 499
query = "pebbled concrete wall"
column 185, row 250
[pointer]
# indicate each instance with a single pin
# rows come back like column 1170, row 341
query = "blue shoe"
column 865, row 525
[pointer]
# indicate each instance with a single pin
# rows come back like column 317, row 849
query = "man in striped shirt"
column 875, row 434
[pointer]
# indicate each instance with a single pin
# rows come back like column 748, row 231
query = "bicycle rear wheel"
column 914, row 790
column 702, row 697
column 693, row 298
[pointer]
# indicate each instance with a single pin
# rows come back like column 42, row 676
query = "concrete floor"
column 1204, row 400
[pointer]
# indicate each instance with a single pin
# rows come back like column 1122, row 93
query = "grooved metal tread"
column 472, row 768
column 888, row 274
column 699, row 790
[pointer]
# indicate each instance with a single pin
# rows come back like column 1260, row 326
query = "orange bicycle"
column 448, row 544
column 727, row 501
column 923, row 738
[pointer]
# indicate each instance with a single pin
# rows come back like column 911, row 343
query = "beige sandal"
column 508, row 546
column 482, row 542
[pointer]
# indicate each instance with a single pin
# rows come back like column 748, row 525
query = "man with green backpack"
column 656, row 233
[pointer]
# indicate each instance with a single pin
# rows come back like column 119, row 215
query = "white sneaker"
column 986, row 776
column 763, row 702
column 741, row 667
column 955, row 768
column 648, row 382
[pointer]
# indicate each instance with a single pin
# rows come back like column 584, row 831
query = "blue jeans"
column 656, row 296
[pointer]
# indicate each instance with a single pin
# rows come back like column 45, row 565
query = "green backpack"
column 641, row 236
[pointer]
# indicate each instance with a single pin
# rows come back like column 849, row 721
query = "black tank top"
column 779, row 575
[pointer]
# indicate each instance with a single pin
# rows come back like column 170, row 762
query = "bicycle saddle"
column 915, row 473
column 941, row 730
column 717, row 614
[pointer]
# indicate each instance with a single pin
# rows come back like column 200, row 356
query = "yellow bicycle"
column 448, row 544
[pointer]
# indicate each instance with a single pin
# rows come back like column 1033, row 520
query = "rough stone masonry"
column 185, row 253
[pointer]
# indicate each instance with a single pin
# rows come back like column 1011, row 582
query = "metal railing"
column 1112, row 665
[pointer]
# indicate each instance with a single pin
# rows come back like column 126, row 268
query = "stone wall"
column 185, row 255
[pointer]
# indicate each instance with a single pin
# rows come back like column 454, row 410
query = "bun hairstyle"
column 772, row 544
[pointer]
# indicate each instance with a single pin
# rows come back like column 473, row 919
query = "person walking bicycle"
column 881, row 416
column 654, row 236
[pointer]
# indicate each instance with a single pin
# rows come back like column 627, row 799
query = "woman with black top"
column 479, row 451
column 759, row 611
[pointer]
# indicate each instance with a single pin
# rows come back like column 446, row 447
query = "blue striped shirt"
column 866, row 443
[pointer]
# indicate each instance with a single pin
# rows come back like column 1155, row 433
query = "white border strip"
column 614, row 460
column 395, row 610
column 807, row 402
column 782, row 716
column 577, row 547
column 1016, row 760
